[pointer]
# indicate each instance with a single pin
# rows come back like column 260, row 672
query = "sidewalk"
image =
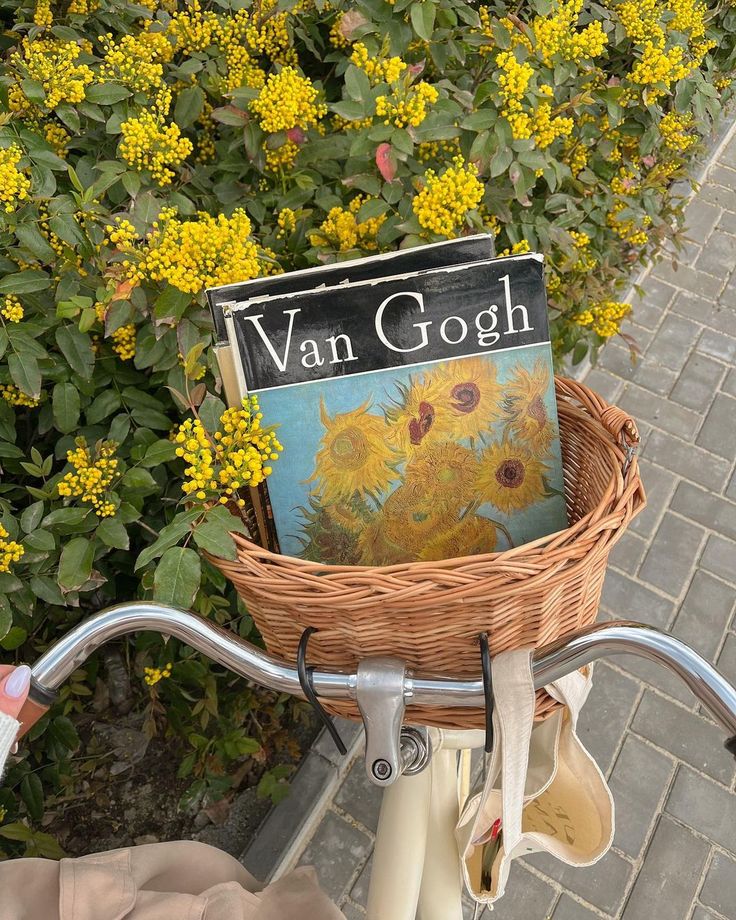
column 672, row 781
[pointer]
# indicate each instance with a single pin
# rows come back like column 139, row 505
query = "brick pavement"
column 675, row 845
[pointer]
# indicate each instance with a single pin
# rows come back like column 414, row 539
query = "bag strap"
column 572, row 690
column 513, row 685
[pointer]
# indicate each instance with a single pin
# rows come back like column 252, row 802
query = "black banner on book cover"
column 393, row 322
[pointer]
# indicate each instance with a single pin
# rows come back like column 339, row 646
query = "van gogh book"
column 417, row 412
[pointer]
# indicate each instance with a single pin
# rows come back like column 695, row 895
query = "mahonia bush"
column 150, row 150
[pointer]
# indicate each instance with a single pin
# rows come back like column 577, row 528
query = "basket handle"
column 622, row 428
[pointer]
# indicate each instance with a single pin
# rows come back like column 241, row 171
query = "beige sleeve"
column 8, row 733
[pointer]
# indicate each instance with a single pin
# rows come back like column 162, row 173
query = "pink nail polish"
column 18, row 682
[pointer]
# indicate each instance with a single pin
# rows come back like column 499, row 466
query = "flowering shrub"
column 150, row 150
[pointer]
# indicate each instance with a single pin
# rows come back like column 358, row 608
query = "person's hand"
column 14, row 686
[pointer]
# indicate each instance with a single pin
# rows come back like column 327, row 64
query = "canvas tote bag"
column 543, row 791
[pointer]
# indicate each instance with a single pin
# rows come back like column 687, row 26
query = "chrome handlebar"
column 551, row 662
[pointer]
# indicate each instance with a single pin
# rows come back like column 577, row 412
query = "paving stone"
column 707, row 806
column 718, row 433
column 668, row 563
column 608, row 385
column 674, row 863
column 729, row 384
column 693, row 306
column 626, row 599
column 698, row 382
column 728, row 154
column 719, row 195
column 719, row 557
column 654, row 377
column 705, row 614
column 724, row 174
column 686, row 460
column 727, row 659
column 569, row 909
column 727, row 222
column 359, row 797
column 617, row 360
column 675, row 337
column 628, row 552
column 336, row 851
column 659, row 484
column 603, row 885
column 719, row 256
column 353, row 912
column 659, row 412
column 687, row 278
column 710, row 510
column 349, row 730
column 359, row 891
column 700, row 219
column 731, row 488
column 527, row 897
column 611, row 703
column 717, row 345
column 639, row 779
column 719, row 888
column 684, row 734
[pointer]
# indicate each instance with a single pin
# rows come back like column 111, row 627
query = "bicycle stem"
column 551, row 662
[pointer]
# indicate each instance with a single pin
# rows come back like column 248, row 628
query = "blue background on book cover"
column 296, row 411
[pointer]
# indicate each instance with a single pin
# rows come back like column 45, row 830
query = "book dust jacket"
column 417, row 412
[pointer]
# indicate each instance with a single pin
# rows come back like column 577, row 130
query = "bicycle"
column 415, row 866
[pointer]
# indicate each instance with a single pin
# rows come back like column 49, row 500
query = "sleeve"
column 9, row 729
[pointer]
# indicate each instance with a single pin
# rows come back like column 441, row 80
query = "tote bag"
column 543, row 791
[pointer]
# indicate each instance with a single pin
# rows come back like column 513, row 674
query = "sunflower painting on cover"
column 444, row 460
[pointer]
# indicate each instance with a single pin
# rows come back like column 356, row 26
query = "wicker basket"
column 430, row 613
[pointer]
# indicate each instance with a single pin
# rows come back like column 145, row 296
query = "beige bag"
column 543, row 790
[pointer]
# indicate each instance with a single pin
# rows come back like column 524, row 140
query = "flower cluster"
column 193, row 29
column 10, row 551
column 408, row 106
column 342, row 230
column 135, row 60
column 379, row 69
column 288, row 100
column 556, row 34
column 286, row 222
column 153, row 675
column 123, row 340
column 237, row 455
column 442, row 205
column 14, row 185
column 122, row 235
column 604, row 317
column 11, row 308
column 54, row 64
column 199, row 253
column 676, row 131
column 91, row 478
column 148, row 143
column 57, row 136
column 11, row 394
column 547, row 127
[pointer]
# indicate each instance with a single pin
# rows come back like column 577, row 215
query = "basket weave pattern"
column 430, row 613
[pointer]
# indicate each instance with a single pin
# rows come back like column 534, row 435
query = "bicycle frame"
column 415, row 864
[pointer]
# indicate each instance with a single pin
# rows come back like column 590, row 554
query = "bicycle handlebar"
column 550, row 663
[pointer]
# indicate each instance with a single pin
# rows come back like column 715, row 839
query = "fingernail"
column 18, row 682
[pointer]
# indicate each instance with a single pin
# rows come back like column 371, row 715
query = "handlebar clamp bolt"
column 381, row 769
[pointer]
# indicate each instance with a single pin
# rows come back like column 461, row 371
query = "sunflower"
column 526, row 414
column 411, row 519
column 471, row 392
column 375, row 547
column 354, row 455
column 470, row 536
column 510, row 477
column 446, row 473
column 419, row 417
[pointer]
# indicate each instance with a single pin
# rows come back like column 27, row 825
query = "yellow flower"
column 469, row 537
column 447, row 472
column 124, row 342
column 510, row 478
column 406, row 106
column 604, row 317
column 11, row 308
column 57, row 136
column 354, row 455
column 557, row 34
column 192, row 28
column 410, row 519
column 135, row 60
column 198, row 253
column 42, row 16
column 53, row 64
column 342, row 231
column 11, row 394
column 91, row 477
column 470, row 394
column 153, row 675
column 444, row 202
column 14, row 185
column 676, row 131
column 10, row 551
column 379, row 69
column 287, row 101
column 148, row 143
column 525, row 411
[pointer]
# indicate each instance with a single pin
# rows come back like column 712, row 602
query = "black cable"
column 305, row 679
column 485, row 664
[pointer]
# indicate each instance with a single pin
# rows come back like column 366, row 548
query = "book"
column 416, row 410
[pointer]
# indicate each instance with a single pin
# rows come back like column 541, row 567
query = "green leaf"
column 35, row 242
column 65, row 226
column 47, row 589
column 26, row 374
column 16, row 831
column 169, row 536
column 6, row 618
column 31, row 517
column 422, row 19
column 14, row 638
column 103, row 405
column 177, row 577
column 41, row 541
column 25, row 282
column 77, row 349
column 189, row 105
column 112, row 532
column 172, row 302
column 75, row 564
column 214, row 539
column 63, row 732
column 137, row 480
column 65, row 403
column 31, row 791
column 162, row 451
column 106, row 93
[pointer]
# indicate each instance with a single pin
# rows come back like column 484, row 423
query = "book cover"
column 463, row 250
column 417, row 412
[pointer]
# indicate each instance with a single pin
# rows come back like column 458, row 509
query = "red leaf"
column 386, row 161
